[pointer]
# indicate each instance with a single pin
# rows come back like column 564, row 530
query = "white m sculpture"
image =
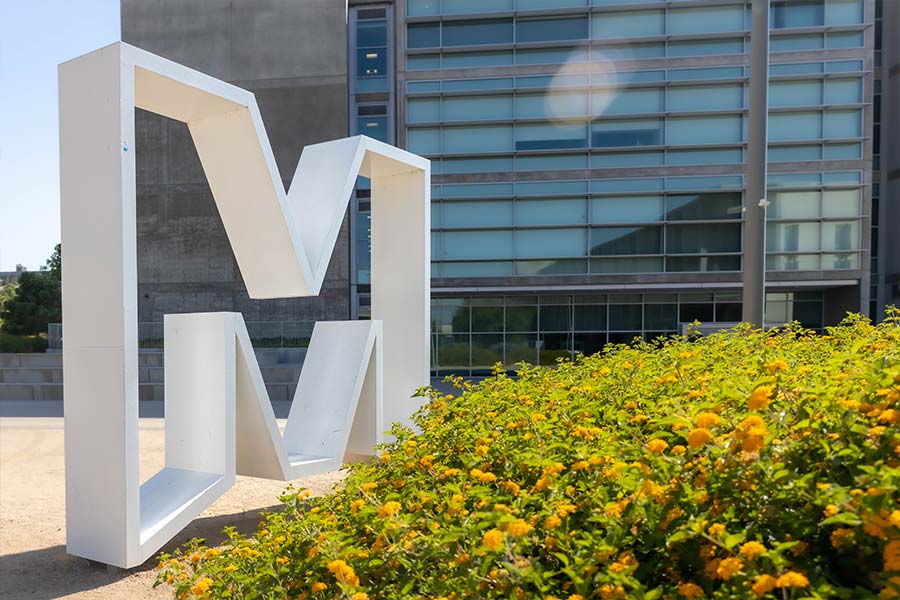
column 219, row 421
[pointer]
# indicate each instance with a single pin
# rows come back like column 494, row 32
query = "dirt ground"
column 33, row 559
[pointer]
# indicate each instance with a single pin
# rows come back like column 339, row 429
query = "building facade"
column 588, row 156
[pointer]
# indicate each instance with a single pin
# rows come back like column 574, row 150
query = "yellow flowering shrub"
column 745, row 464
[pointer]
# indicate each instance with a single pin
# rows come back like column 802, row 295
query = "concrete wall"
column 293, row 55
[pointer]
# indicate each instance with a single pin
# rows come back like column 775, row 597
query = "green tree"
column 37, row 300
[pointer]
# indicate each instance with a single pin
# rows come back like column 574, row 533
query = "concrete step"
column 31, row 391
column 32, row 361
column 26, row 375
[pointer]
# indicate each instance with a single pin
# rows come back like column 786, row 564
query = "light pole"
column 754, row 299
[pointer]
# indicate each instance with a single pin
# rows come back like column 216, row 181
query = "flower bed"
column 741, row 465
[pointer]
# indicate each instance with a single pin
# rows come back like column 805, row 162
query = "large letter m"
column 219, row 421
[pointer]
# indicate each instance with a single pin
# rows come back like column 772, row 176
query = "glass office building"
column 589, row 164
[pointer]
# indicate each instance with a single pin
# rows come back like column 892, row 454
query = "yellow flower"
column 552, row 522
column 282, row 560
column 831, row 510
column 678, row 449
column 482, row 476
column 493, row 540
column 389, row 509
column 763, row 585
column 343, row 572
column 369, row 486
column 580, row 465
column 698, row 437
column 230, row 568
column 357, row 504
column 518, row 528
column 889, row 416
column 201, row 586
column 318, row 587
column 729, row 567
column 752, row 549
column 359, row 596
column 792, row 579
column 706, row 420
column 760, row 397
column 512, row 486
column 892, row 556
column 775, row 366
column 657, row 446
column 691, row 591
column 716, row 530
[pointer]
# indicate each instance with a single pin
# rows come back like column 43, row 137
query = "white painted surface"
column 359, row 376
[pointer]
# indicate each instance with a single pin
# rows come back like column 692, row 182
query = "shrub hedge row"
column 744, row 464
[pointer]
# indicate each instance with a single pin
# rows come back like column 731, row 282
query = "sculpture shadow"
column 50, row 573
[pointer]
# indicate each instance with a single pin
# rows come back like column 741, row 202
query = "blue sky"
column 35, row 36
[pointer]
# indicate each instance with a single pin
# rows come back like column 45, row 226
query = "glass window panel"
column 521, row 318
column 790, row 262
column 611, row 241
column 424, row 140
column 554, row 346
column 703, row 130
column 842, row 151
column 589, row 343
column 625, row 52
column 795, row 93
column 662, row 317
column 795, row 126
column 482, row 138
column 620, row 133
column 465, row 85
column 700, row 239
column 540, row 243
column 794, row 179
column 551, row 105
column 728, row 312
column 477, row 108
column 374, row 127
column 843, row 123
column 555, row 211
column 477, row 59
column 371, row 62
column 423, row 35
column 808, row 313
column 477, row 214
column 521, row 348
column 844, row 66
column 370, row 34
column 423, row 62
column 476, row 6
column 644, row 184
column 590, row 317
column 556, row 318
column 841, row 177
column 840, row 235
column 476, row 33
column 545, row 4
column 627, row 265
column 795, row 68
column 702, row 264
column 557, row 188
column 477, row 190
column 371, row 84
column 706, row 19
column 706, row 47
column 551, row 161
column 487, row 350
column 625, row 317
column 840, row 261
column 477, row 244
column 843, row 12
column 547, row 30
column 844, row 39
column 611, row 101
column 477, row 269
column 544, row 56
column 628, row 24
column 705, row 73
column 710, row 182
column 423, row 110
column 843, row 91
column 551, row 267
column 499, row 164
column 793, row 153
column 627, row 209
column 539, row 136
column 792, row 237
column 793, row 43
column 450, row 316
column 704, row 97
column 699, row 207
column 840, row 203
column 608, row 160
column 422, row 8
column 551, row 81
column 453, row 351
column 797, row 13
column 487, row 318
column 719, row 156
column 688, row 313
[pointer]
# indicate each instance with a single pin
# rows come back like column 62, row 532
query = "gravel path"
column 33, row 559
